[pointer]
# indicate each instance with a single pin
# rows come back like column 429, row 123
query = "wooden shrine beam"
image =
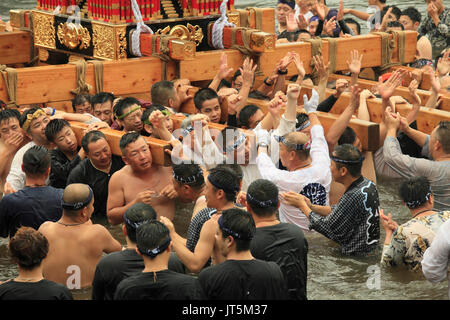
column 427, row 118
column 157, row 146
column 178, row 49
column 402, row 91
column 367, row 132
column 15, row 47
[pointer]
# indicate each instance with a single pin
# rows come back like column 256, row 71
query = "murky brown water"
column 330, row 275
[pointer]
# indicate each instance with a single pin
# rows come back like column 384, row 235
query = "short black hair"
column 36, row 161
column 395, row 24
column 162, row 91
column 246, row 113
column 148, row 111
column 237, row 169
column 54, row 127
column 236, row 74
column 128, row 138
column 301, row 119
column 191, row 174
column 255, row 94
column 102, row 97
column 202, row 95
column 414, row 191
column 7, row 114
column 240, row 225
column 350, row 153
column 150, row 235
column 124, row 103
column 135, row 215
column 264, row 195
column 395, row 11
column 443, row 135
column 79, row 100
column 348, row 136
column 228, row 179
column 353, row 21
column 91, row 136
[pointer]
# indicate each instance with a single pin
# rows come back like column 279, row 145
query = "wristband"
column 266, row 83
column 280, row 72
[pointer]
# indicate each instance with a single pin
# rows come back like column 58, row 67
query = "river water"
column 330, row 275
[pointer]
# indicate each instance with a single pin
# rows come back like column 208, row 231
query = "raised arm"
column 248, row 73
column 354, row 65
column 323, row 72
column 223, row 72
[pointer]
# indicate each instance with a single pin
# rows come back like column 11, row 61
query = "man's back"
column 74, row 251
column 112, row 269
column 244, row 280
column 284, row 244
column 161, row 285
column 29, row 207
column 41, row 290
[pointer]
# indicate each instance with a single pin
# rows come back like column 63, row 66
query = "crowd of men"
column 257, row 186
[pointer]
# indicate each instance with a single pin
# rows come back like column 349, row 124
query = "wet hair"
column 202, row 95
column 102, row 97
column 24, row 115
column 36, row 161
column 246, row 113
column 189, row 174
column 348, row 152
column 348, row 136
column 79, row 100
column 239, row 224
column 124, row 103
column 151, row 235
column 255, row 94
column 263, row 198
column 7, row 114
column 54, row 127
column 28, row 247
column 356, row 23
column 135, row 215
column 415, row 191
column 91, row 136
column 162, row 91
column 443, row 135
column 128, row 138
column 395, row 24
column 225, row 179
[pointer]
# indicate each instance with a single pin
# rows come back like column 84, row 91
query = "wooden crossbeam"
column 399, row 91
column 427, row 118
column 268, row 17
column 178, row 49
column 15, row 47
column 157, row 146
column 368, row 132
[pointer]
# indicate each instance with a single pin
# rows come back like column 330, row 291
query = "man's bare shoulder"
column 46, row 226
column 119, row 175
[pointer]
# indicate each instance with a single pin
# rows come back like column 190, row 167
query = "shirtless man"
column 75, row 244
column 138, row 181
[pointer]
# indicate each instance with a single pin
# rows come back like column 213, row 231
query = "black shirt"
column 284, row 244
column 112, row 269
column 61, row 167
column 85, row 173
column 243, row 280
column 41, row 290
column 161, row 285
column 29, row 207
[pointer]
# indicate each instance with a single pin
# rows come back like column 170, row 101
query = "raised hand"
column 224, row 70
column 299, row 65
column 341, row 86
column 387, row 88
column 285, row 61
column 301, row 22
column 329, row 26
column 291, row 24
column 340, row 14
column 320, row 67
column 354, row 99
column 311, row 104
column 278, row 101
column 413, row 92
column 320, row 10
column 293, row 91
column 168, row 223
column 391, row 120
column 435, row 82
column 365, row 94
column 443, row 66
column 233, row 101
column 157, row 119
column 248, row 71
column 354, row 65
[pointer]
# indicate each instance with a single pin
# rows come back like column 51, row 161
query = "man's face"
column 138, row 155
column 438, row 3
column 8, row 127
column 311, row 5
column 37, row 129
column 284, row 154
column 132, row 122
column 84, row 108
column 353, row 27
column 255, row 119
column 221, row 243
column 237, row 83
column 66, row 141
column 391, row 17
column 282, row 11
column 312, row 27
column 303, row 36
column 100, row 153
column 103, row 111
column 372, row 2
column 211, row 108
column 210, row 195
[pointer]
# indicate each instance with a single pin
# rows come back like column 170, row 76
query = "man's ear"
column 137, row 250
column 148, row 128
column 124, row 159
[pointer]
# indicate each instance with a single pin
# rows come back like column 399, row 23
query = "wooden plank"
column 426, row 117
column 402, row 91
column 15, row 47
column 178, row 49
column 367, row 132
column 157, row 146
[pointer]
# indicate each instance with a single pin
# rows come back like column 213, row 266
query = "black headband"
column 417, row 203
column 289, row 3
column 218, row 186
column 357, row 161
column 234, row 234
column 305, row 146
column 188, row 180
column 130, row 223
column 161, row 248
column 262, row 204
column 77, row 205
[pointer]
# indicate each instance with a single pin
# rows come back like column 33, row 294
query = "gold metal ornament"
column 74, row 35
column 188, row 33
column 44, row 30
